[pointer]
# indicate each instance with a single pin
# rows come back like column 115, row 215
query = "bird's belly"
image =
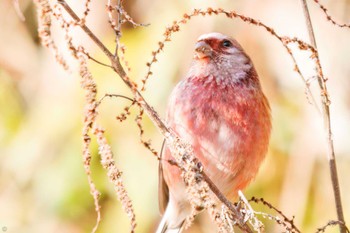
column 220, row 149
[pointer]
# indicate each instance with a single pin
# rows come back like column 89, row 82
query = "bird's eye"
column 226, row 43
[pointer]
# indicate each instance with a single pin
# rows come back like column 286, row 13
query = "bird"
column 220, row 109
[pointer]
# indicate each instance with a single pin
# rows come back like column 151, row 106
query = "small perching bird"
column 220, row 109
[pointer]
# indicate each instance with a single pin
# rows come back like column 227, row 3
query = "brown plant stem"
column 118, row 32
column 330, row 18
column 270, row 206
column 153, row 115
column 327, row 122
column 331, row 223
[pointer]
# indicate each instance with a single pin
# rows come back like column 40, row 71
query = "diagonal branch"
column 87, row 30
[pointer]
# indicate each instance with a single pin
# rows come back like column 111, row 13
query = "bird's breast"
column 227, row 126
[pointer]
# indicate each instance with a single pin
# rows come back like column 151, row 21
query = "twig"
column 86, row 11
column 118, row 25
column 331, row 223
column 285, row 219
column 97, row 61
column 145, row 143
column 92, row 36
column 250, row 213
column 327, row 122
column 120, row 21
column 329, row 17
column 113, row 95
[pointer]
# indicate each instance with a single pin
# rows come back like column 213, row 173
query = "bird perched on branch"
column 220, row 109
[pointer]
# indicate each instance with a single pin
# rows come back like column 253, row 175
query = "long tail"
column 170, row 222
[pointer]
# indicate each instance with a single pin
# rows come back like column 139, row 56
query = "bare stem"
column 327, row 122
column 85, row 28
column 119, row 24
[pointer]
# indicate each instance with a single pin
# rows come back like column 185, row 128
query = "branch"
column 329, row 17
column 327, row 121
column 284, row 217
column 332, row 223
column 92, row 36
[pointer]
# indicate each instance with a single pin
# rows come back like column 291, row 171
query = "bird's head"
column 212, row 45
column 221, row 56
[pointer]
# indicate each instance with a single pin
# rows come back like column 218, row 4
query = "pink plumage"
column 221, row 110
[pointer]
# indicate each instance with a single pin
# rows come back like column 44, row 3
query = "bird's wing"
column 163, row 190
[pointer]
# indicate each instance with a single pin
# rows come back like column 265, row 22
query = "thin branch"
column 329, row 17
column 285, row 219
column 308, row 23
column 97, row 61
column 70, row 11
column 327, row 121
column 332, row 223
column 248, row 210
column 145, row 143
column 113, row 95
column 115, row 20
column 86, row 11
column 118, row 29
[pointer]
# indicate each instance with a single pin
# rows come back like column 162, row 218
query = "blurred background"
column 43, row 187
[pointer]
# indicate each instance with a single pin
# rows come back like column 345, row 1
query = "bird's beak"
column 202, row 50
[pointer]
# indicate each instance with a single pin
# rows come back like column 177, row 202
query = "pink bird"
column 221, row 110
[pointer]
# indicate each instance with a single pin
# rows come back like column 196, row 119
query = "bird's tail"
column 170, row 223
